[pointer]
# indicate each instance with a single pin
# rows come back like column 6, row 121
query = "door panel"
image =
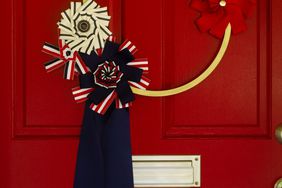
column 229, row 119
column 33, row 88
column 235, row 100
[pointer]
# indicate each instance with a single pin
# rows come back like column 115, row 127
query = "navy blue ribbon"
column 104, row 155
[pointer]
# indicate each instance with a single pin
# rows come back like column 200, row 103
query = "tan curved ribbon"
column 196, row 81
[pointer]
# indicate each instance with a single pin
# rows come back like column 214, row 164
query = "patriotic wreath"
column 106, row 69
column 84, row 36
column 109, row 75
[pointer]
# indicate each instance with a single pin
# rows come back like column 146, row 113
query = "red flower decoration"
column 217, row 14
column 107, row 75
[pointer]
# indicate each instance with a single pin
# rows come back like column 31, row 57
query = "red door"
column 230, row 119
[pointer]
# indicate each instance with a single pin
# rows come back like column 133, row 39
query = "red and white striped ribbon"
column 51, row 50
column 143, row 84
column 71, row 65
column 141, row 64
column 80, row 95
column 119, row 105
column 112, row 39
column 69, row 70
column 105, row 104
column 53, row 65
column 128, row 44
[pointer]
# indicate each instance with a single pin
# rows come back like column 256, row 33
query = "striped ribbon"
column 81, row 95
column 64, row 56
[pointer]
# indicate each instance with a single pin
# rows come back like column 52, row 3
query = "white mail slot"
column 167, row 171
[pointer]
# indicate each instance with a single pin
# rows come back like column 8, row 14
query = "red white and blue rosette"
column 64, row 56
column 114, row 70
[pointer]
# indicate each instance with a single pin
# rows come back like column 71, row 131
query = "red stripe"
column 83, row 92
column 72, row 70
column 141, row 60
column 54, row 67
column 129, row 47
column 81, row 100
column 108, row 104
column 91, row 106
column 80, row 61
column 88, row 91
column 134, row 48
column 119, row 105
column 123, row 44
column 51, row 53
column 99, row 51
column 134, row 51
column 75, row 89
column 143, row 67
column 145, row 79
column 134, row 84
column 112, row 39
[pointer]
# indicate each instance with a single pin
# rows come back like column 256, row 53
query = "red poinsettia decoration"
column 217, row 14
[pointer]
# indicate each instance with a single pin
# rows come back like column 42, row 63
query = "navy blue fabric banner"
column 104, row 155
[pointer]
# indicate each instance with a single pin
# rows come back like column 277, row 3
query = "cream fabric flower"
column 84, row 27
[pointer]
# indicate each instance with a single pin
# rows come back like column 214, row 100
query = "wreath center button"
column 68, row 53
column 222, row 3
column 83, row 26
column 107, row 75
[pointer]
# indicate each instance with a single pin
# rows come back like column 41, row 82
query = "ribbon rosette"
column 113, row 70
column 217, row 14
column 64, row 56
column 84, row 27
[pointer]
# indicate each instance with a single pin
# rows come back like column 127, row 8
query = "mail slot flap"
column 167, row 171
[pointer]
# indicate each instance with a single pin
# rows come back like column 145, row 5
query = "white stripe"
column 81, row 97
column 137, row 85
column 144, row 82
column 105, row 102
column 54, row 64
column 94, row 107
column 69, row 69
column 120, row 105
column 80, row 91
column 132, row 48
column 144, row 68
column 138, row 63
column 126, row 45
column 51, row 49
column 80, row 66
